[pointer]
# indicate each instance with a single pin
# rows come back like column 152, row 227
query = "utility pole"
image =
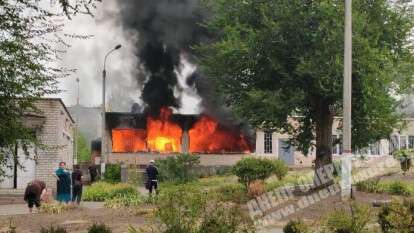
column 103, row 152
column 346, row 163
column 103, row 111
column 76, row 159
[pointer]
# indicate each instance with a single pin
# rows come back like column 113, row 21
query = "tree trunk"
column 15, row 165
column 324, row 116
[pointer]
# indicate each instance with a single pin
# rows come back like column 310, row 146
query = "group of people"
column 69, row 185
column 68, row 188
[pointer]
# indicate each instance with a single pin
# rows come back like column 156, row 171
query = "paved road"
column 17, row 209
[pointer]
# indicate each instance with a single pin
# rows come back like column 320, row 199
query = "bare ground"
column 75, row 220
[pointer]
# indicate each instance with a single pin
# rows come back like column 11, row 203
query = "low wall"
column 205, row 159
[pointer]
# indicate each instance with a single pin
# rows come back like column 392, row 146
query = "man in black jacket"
column 152, row 175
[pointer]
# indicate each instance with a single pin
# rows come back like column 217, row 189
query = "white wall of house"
column 25, row 173
column 403, row 139
column 274, row 149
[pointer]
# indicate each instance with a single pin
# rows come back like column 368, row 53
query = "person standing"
column 93, row 172
column 77, row 185
column 63, row 183
column 33, row 192
column 152, row 175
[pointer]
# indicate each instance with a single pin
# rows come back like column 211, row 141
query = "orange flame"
column 129, row 140
column 207, row 137
column 163, row 135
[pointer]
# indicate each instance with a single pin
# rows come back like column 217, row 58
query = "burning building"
column 138, row 138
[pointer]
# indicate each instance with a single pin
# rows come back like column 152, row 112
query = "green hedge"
column 389, row 187
column 112, row 173
column 102, row 191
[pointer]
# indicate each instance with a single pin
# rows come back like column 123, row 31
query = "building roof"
column 63, row 104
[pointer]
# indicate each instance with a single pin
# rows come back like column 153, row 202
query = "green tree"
column 31, row 43
column 275, row 59
column 83, row 149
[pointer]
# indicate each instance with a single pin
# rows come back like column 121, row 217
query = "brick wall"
column 57, row 135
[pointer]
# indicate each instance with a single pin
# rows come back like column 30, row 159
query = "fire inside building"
column 137, row 138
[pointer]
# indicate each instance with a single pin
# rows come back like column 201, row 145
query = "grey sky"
column 87, row 57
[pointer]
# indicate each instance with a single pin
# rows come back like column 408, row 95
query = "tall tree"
column 275, row 59
column 31, row 43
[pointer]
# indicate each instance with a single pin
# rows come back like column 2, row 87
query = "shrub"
column 178, row 168
column 52, row 229
column 99, row 228
column 397, row 216
column 231, row 192
column 188, row 210
column 112, row 173
column 399, row 188
column 295, row 226
column 250, row 169
column 121, row 201
column 179, row 208
column 280, row 169
column 221, row 218
column 102, row 191
column 371, row 186
column 393, row 187
column 256, row 188
column 354, row 221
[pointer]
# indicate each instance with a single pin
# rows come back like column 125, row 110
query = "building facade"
column 54, row 129
column 275, row 145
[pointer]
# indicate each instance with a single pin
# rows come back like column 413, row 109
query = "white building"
column 274, row 145
column 54, row 129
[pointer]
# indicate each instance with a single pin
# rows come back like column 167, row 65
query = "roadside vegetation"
column 394, row 217
column 388, row 187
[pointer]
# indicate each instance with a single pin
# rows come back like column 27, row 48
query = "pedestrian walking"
column 152, row 178
column 77, row 185
column 63, row 183
column 32, row 194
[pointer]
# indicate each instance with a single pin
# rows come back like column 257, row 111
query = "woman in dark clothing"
column 76, row 185
column 33, row 192
column 63, row 183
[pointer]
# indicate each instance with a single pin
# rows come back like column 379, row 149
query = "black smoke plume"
column 165, row 28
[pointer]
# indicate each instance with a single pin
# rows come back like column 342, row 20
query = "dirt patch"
column 76, row 220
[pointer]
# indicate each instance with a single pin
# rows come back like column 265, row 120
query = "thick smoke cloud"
column 86, row 56
column 166, row 29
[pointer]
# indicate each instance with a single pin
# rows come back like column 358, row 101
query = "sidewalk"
column 18, row 209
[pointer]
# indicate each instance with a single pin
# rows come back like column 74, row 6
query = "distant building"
column 275, row 145
column 54, row 128
column 89, row 121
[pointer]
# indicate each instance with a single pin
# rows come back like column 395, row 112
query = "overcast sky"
column 86, row 56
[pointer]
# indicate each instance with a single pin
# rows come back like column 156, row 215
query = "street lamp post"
column 346, row 182
column 103, row 141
